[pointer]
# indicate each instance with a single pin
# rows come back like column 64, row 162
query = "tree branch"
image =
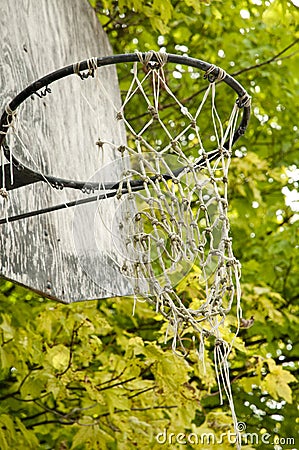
column 141, row 392
column 46, row 422
column 34, row 416
column 147, row 408
column 268, row 61
column 18, row 391
column 74, row 334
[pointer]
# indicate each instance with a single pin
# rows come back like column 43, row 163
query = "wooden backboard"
column 66, row 255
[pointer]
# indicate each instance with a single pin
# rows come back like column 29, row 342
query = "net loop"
column 244, row 101
column 147, row 61
column 10, row 120
column 42, row 93
column 91, row 69
column 215, row 73
column 9, row 111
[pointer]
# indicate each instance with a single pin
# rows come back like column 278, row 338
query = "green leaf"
column 5, row 358
column 5, row 326
column 195, row 4
column 4, row 445
column 29, row 437
column 59, row 356
column 7, row 424
column 248, row 383
column 116, row 399
column 91, row 437
column 277, row 383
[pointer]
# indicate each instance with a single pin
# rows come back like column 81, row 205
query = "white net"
column 181, row 225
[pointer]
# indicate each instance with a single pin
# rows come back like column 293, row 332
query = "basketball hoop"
column 174, row 183
column 15, row 174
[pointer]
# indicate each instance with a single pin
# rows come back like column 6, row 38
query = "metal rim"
column 30, row 176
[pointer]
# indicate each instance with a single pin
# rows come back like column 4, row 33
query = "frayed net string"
column 169, row 211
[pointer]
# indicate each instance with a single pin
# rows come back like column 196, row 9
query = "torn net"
column 181, row 223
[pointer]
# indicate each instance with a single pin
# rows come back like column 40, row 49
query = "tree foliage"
column 92, row 375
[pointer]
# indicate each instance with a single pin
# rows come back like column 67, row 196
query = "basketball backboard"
column 55, row 254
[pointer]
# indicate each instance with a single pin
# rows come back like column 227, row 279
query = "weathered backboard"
column 66, row 254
